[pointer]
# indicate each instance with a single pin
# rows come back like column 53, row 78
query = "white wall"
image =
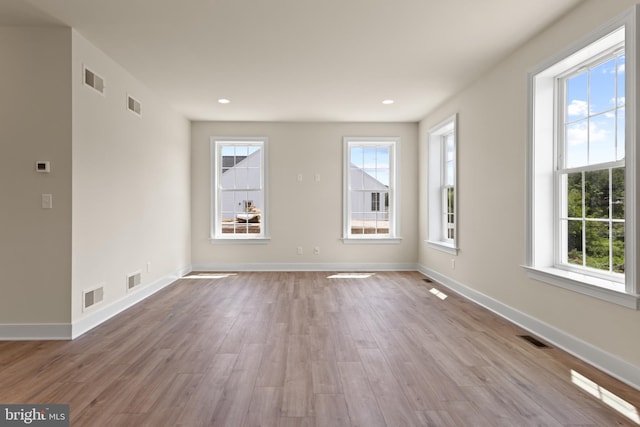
column 35, row 124
column 491, row 185
column 131, row 178
column 306, row 213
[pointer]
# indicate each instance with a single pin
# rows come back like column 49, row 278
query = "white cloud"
column 577, row 134
column 577, row 108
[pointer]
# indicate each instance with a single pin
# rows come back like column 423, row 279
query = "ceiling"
column 299, row 60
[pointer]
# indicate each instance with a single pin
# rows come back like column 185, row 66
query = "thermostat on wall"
column 43, row 167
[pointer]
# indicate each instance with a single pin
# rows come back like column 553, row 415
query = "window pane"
column 382, row 222
column 382, row 157
column 596, row 194
column 241, row 177
column 602, row 138
column 253, row 178
column 450, row 200
column 375, row 201
column 356, row 157
column 576, row 144
column 618, row 247
column 576, row 98
column 369, row 157
column 574, row 242
column 602, row 87
column 382, row 176
column 574, row 195
column 620, row 134
column 597, row 245
column 621, row 82
column 242, row 151
column 618, row 189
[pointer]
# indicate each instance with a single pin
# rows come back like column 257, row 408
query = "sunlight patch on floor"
column 209, row 275
column 439, row 294
column 350, row 275
column 613, row 401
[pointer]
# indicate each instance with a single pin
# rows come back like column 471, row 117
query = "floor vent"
column 133, row 280
column 93, row 80
column 133, row 105
column 92, row 297
column 427, row 280
column 534, row 341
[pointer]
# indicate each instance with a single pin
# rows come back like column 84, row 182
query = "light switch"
column 47, row 201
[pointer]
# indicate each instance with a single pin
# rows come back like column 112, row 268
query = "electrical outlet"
column 453, row 264
column 299, row 250
column 316, row 250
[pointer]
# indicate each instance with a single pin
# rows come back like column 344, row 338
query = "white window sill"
column 239, row 240
column 605, row 290
column 443, row 247
column 372, row 240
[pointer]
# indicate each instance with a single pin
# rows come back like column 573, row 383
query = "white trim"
column 394, row 185
column 435, row 179
column 213, row 159
column 540, row 209
column 585, row 285
column 600, row 359
column 378, row 240
column 108, row 311
column 443, row 247
column 240, row 241
column 35, row 332
column 305, row 267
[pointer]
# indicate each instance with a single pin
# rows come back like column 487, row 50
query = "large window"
column 238, row 182
column 591, row 166
column 582, row 167
column 370, row 194
column 442, row 194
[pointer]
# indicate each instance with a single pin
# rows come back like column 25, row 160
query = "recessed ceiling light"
column 388, row 101
column 223, row 101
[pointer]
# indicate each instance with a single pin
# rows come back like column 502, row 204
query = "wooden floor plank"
column 302, row 350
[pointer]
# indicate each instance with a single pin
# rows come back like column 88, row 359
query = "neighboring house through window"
column 238, row 181
column 582, row 169
column 442, row 196
column 370, row 193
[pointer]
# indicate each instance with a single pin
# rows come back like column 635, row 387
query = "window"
column 581, row 163
column 370, row 194
column 442, row 195
column 238, row 180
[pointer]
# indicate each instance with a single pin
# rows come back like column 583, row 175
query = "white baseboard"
column 306, row 267
column 103, row 314
column 66, row 331
column 35, row 332
column 606, row 362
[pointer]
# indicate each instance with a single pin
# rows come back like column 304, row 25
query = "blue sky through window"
column 373, row 159
column 594, row 114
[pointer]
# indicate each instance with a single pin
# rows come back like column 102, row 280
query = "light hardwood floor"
column 300, row 349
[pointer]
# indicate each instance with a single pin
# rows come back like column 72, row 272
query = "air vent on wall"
column 93, row 80
column 92, row 297
column 133, row 280
column 133, row 105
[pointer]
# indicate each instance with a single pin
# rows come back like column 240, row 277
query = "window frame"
column 543, row 189
column 393, row 206
column 216, row 235
column 438, row 186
